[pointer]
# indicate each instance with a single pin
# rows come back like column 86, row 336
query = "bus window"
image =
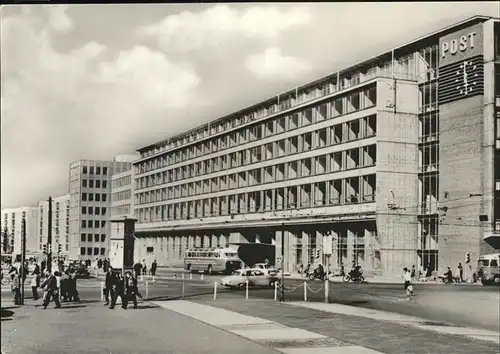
column 483, row 263
column 493, row 263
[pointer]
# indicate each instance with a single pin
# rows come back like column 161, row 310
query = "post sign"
column 461, row 45
column 121, row 248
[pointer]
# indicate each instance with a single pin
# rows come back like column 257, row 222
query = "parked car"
column 80, row 270
column 255, row 277
column 267, row 269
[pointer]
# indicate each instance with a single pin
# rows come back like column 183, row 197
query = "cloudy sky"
column 94, row 81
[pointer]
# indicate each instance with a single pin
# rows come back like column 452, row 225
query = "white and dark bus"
column 212, row 260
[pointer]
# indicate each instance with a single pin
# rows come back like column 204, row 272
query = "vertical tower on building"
column 60, row 225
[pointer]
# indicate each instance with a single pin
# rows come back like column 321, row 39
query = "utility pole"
column 283, row 262
column 23, row 257
column 49, row 238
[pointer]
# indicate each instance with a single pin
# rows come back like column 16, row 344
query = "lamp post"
column 282, row 261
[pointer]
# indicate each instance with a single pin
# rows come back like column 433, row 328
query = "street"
column 156, row 328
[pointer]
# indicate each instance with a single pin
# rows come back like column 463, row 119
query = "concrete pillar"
column 350, row 247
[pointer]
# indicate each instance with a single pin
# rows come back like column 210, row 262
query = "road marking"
column 329, row 350
column 258, row 329
column 378, row 315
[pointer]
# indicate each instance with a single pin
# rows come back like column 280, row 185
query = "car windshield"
column 238, row 272
column 483, row 262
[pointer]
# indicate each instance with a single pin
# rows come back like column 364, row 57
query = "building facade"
column 121, row 194
column 11, row 230
column 90, row 204
column 394, row 156
column 60, row 225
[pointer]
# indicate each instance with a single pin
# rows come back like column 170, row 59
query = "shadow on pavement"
column 6, row 313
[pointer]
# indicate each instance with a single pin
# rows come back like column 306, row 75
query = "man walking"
column 108, row 286
column 137, row 269
column 16, row 286
column 154, row 265
column 119, row 290
column 461, row 272
column 52, row 290
column 130, row 290
column 35, row 283
column 407, row 283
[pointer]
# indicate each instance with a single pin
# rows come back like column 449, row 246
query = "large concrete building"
column 60, row 225
column 121, row 194
column 90, row 204
column 11, row 226
column 394, row 155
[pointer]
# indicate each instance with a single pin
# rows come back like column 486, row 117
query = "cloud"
column 213, row 27
column 271, row 64
column 58, row 19
column 85, row 103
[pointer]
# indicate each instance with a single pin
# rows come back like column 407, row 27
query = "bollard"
column 327, row 297
column 102, row 291
column 142, row 277
column 275, row 290
column 190, row 276
column 246, row 291
column 147, row 290
column 201, row 276
column 182, row 290
column 305, row 291
column 182, row 276
column 215, row 290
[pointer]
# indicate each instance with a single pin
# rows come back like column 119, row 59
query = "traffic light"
column 45, row 248
column 316, row 253
column 59, row 248
column 467, row 257
column 313, row 253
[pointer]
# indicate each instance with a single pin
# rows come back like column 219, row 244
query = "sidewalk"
column 381, row 335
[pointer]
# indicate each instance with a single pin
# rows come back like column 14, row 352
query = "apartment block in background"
column 60, row 225
column 11, row 225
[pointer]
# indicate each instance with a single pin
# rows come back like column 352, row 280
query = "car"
column 267, row 269
column 255, row 277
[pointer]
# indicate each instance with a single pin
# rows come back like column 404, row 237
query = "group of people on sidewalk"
column 57, row 286
column 116, row 285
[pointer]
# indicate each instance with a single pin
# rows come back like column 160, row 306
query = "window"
column 89, row 251
column 91, row 183
column 103, row 197
column 91, row 210
column 89, row 237
column 96, row 251
column 104, row 184
column 98, row 170
column 91, row 170
column 103, row 223
column 84, row 210
column 97, row 197
column 84, row 183
column 103, row 238
column 82, row 251
column 104, row 170
column 84, row 224
column 103, row 251
column 96, row 238
column 84, row 197
column 97, row 211
column 83, row 237
column 103, row 211
column 98, row 183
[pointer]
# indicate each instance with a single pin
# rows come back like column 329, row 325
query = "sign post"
column 327, row 251
column 121, row 250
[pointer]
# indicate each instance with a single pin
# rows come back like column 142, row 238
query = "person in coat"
column 51, row 290
column 108, row 286
column 130, row 290
column 118, row 290
column 35, row 284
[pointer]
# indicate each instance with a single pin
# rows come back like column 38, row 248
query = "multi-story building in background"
column 60, row 225
column 397, row 156
column 11, row 230
column 90, row 204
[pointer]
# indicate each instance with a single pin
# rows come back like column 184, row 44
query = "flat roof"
column 452, row 27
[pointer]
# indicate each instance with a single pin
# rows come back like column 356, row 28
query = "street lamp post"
column 282, row 261
column 23, row 257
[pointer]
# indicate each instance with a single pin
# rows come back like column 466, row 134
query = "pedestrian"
column 105, row 265
column 43, row 265
column 144, row 267
column 138, row 269
column 407, row 283
column 154, row 265
column 52, row 290
column 36, row 270
column 413, row 272
column 72, row 291
column 63, row 287
column 130, row 290
column 35, row 284
column 108, row 286
column 16, row 286
column 99, row 263
column 460, row 272
column 118, row 290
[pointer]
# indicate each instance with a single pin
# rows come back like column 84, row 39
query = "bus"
column 488, row 268
column 212, row 260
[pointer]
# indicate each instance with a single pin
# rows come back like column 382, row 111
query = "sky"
column 94, row 81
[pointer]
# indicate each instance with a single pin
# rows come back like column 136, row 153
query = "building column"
column 350, row 247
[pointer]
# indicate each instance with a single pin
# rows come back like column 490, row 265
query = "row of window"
column 335, row 162
column 94, row 183
column 350, row 190
column 122, row 181
column 362, row 128
column 93, row 210
column 123, row 195
column 330, row 109
column 93, row 224
column 92, row 251
column 95, row 170
column 96, row 238
column 120, row 210
column 99, row 197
